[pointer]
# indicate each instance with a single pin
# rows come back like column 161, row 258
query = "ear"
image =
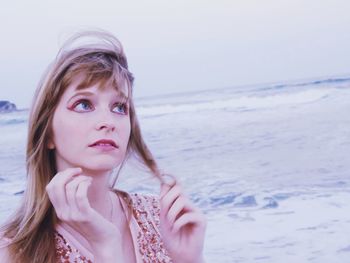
column 50, row 145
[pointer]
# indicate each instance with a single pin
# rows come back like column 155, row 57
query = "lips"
column 104, row 143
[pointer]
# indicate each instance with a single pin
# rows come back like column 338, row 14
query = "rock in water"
column 6, row 106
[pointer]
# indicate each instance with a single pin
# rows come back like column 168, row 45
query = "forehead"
column 82, row 83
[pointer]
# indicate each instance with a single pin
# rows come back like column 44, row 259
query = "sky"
column 184, row 45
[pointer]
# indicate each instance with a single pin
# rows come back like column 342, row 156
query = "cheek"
column 66, row 131
column 126, row 132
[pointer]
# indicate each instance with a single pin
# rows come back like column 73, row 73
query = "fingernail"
column 168, row 179
column 78, row 169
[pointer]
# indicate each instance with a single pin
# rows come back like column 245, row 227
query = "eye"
column 82, row 106
column 120, row 107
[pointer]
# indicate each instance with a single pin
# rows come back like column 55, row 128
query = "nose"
column 105, row 126
column 105, row 122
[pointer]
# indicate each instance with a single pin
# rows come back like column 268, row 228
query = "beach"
column 268, row 165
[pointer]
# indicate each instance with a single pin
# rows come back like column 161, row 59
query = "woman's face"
column 91, row 128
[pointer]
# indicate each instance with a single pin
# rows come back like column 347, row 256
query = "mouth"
column 104, row 143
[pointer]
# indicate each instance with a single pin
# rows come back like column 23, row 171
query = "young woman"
column 82, row 126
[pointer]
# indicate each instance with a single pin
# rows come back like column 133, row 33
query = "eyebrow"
column 120, row 95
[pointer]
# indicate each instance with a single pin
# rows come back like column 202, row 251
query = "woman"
column 82, row 126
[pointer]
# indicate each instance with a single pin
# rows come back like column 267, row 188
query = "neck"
column 102, row 199
column 99, row 192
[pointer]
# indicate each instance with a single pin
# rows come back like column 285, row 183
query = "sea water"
column 269, row 166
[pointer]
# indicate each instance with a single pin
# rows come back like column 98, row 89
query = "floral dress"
column 144, row 228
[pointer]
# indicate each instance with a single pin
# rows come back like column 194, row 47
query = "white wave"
column 239, row 103
column 14, row 117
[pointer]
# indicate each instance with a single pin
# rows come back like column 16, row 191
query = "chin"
column 101, row 166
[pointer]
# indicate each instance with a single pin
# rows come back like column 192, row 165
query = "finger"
column 66, row 175
column 81, row 197
column 178, row 208
column 163, row 190
column 56, row 187
column 169, row 198
column 168, row 180
column 71, row 189
column 195, row 218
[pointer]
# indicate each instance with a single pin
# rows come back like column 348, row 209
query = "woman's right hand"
column 68, row 194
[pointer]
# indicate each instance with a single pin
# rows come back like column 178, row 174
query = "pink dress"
column 144, row 228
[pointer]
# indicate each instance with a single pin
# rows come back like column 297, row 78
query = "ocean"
column 269, row 165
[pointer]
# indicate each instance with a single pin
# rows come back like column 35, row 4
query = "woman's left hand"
column 182, row 225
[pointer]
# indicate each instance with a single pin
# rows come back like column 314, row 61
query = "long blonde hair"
column 31, row 228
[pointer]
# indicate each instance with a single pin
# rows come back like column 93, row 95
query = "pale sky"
column 177, row 46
